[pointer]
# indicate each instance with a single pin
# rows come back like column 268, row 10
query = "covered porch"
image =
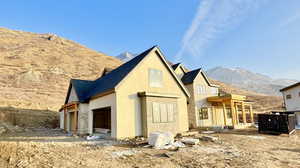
column 70, row 117
column 236, row 110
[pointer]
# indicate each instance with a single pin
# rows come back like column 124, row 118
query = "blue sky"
column 260, row 35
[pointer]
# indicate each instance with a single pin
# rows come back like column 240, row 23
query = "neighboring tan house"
column 209, row 108
column 141, row 96
column 291, row 97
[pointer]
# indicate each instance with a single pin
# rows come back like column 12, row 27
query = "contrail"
column 213, row 17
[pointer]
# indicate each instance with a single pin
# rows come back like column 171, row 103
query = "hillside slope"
column 261, row 103
column 35, row 69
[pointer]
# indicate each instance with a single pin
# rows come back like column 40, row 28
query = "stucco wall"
column 73, row 97
column 179, row 72
column 147, row 113
column 129, row 104
column 192, row 110
column 61, row 120
column 294, row 102
column 83, row 118
column 101, row 102
column 199, row 100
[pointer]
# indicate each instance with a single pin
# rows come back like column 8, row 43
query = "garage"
column 102, row 120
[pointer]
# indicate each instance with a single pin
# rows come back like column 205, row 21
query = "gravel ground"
column 236, row 148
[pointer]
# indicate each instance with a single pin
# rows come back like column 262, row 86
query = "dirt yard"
column 244, row 148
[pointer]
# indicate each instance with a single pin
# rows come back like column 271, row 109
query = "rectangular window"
column 288, row 96
column 163, row 112
column 203, row 113
column 155, row 78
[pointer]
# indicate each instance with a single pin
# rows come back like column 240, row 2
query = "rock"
column 2, row 130
column 123, row 153
column 256, row 137
column 52, row 37
column 208, row 132
column 159, row 140
column 190, row 141
column 93, row 137
column 166, row 155
column 178, row 144
column 191, row 133
column 209, row 138
column 102, row 130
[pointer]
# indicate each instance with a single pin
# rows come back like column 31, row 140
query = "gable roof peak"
column 88, row 89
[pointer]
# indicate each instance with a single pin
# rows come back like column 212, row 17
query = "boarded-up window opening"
column 171, row 112
column 163, row 112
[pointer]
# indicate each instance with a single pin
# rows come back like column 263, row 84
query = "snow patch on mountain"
column 126, row 56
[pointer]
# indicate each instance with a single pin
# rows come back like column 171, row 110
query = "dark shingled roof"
column 289, row 87
column 81, row 87
column 190, row 76
column 175, row 66
column 87, row 89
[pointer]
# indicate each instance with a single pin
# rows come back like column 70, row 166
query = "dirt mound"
column 235, row 148
column 12, row 117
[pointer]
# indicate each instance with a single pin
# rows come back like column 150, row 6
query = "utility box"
column 276, row 123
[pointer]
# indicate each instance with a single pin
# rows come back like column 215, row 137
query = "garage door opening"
column 102, row 120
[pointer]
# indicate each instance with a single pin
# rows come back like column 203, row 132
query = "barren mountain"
column 262, row 103
column 248, row 80
column 35, row 69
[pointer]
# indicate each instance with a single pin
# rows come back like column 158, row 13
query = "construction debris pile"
column 166, row 140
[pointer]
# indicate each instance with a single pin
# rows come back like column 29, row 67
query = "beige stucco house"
column 209, row 108
column 141, row 96
column 291, row 97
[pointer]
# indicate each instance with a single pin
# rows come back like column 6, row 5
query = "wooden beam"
column 233, row 116
column 65, row 119
column 244, row 113
column 251, row 113
column 76, row 118
column 237, row 113
column 225, row 115
column 103, row 94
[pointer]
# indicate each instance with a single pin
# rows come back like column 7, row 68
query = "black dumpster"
column 276, row 123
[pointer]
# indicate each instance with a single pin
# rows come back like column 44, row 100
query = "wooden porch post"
column 244, row 113
column 237, row 113
column 232, row 113
column 76, row 118
column 251, row 113
column 65, row 118
column 213, row 115
column 224, row 112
